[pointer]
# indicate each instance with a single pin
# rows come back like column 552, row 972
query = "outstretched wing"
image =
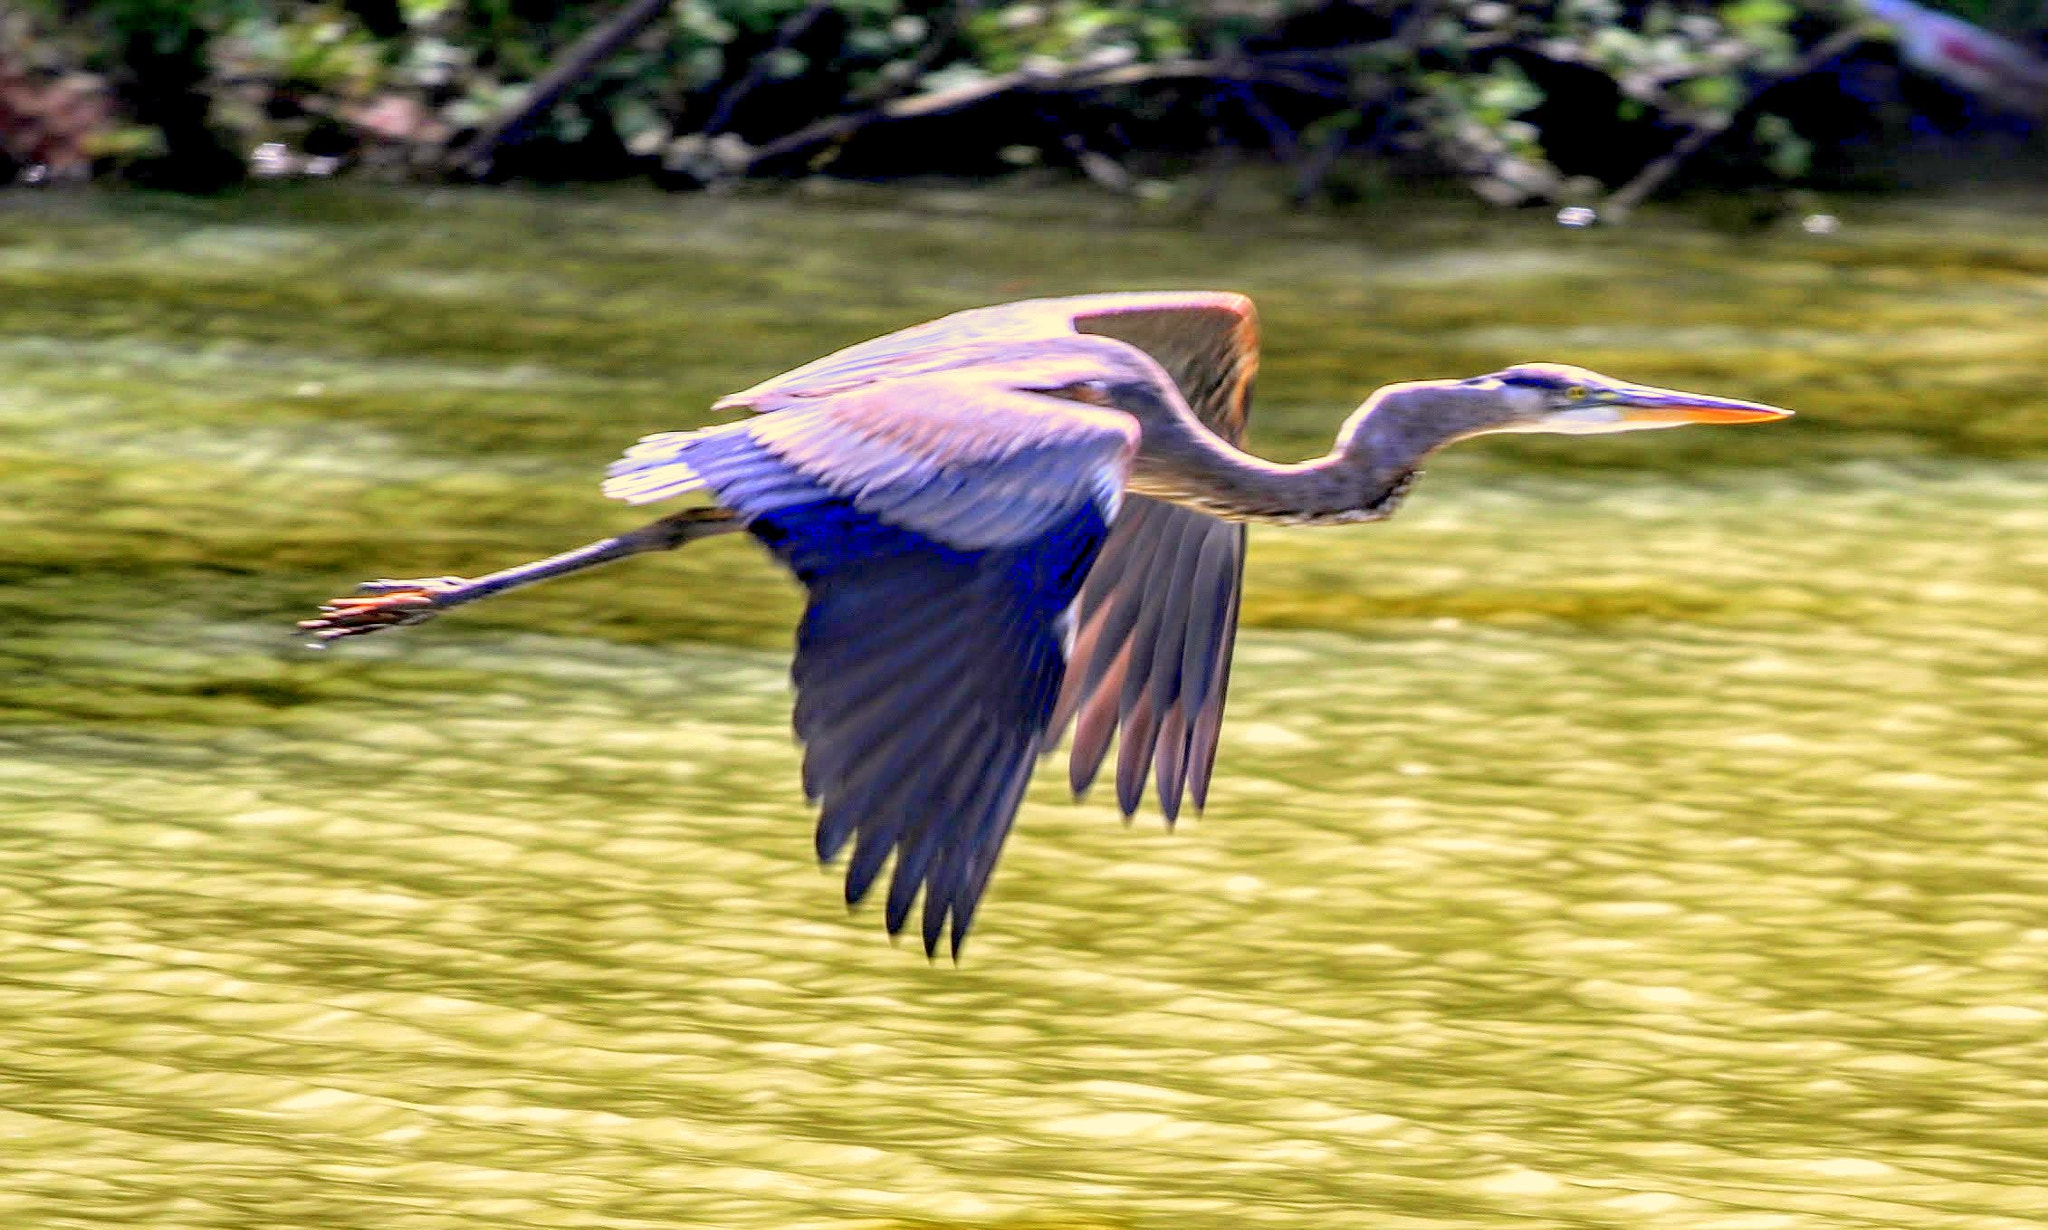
column 1158, row 616
column 943, row 526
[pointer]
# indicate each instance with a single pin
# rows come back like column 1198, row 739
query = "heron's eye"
column 1575, row 392
column 1091, row 392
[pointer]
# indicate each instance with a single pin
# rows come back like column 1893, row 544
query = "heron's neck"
column 1378, row 454
column 1236, row 486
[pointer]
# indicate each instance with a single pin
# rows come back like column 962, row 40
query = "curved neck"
column 1232, row 484
column 1378, row 454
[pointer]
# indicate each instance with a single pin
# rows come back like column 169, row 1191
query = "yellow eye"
column 1575, row 392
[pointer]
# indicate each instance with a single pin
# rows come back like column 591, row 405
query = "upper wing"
column 1206, row 340
column 943, row 528
column 931, row 346
column 1158, row 616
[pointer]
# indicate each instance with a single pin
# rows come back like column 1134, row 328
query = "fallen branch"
column 1624, row 199
column 1080, row 80
column 591, row 50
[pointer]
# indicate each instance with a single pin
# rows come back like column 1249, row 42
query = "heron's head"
column 1401, row 424
column 1564, row 400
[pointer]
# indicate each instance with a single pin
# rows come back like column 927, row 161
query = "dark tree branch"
column 791, row 30
column 935, row 44
column 1317, row 165
column 892, row 87
column 1319, row 162
column 1624, row 199
column 1282, row 138
column 591, row 50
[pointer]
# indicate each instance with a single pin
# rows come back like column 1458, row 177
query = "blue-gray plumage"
column 1017, row 518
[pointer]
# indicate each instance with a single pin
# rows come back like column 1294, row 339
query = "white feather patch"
column 653, row 470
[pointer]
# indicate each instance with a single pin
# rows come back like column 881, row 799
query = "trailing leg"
column 378, row 605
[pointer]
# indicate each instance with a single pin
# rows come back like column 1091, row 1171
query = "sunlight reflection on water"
column 1484, row 921
column 1623, row 849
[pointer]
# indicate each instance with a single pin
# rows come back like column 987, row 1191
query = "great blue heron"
column 1015, row 517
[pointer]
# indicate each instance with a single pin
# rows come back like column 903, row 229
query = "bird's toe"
column 402, row 604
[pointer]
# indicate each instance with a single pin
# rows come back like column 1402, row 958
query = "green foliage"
column 1465, row 85
column 1785, row 151
column 1079, row 31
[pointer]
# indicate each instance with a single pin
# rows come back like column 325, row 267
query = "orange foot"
column 383, row 604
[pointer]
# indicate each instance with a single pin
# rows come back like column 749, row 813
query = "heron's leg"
column 395, row 604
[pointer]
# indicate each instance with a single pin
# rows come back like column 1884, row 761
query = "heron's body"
column 1016, row 518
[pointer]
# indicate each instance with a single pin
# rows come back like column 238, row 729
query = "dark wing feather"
column 1159, row 613
column 1157, row 621
column 931, row 762
column 944, row 525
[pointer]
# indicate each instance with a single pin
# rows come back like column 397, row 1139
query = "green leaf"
column 1786, row 153
column 1719, row 93
column 1506, row 92
column 1750, row 17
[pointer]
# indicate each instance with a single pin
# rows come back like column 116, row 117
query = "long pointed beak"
column 1641, row 403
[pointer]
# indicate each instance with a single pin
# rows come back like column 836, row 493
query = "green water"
column 1633, row 833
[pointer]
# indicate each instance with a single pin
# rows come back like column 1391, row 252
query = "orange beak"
column 1640, row 403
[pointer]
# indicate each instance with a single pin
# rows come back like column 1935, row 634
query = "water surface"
column 1634, row 833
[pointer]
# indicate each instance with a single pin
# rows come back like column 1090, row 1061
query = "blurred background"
column 1635, row 832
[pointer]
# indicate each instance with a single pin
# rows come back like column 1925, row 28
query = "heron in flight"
column 1017, row 518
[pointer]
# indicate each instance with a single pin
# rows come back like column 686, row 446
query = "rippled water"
column 1626, row 848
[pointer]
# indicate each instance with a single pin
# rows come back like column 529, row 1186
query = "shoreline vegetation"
column 1582, row 105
